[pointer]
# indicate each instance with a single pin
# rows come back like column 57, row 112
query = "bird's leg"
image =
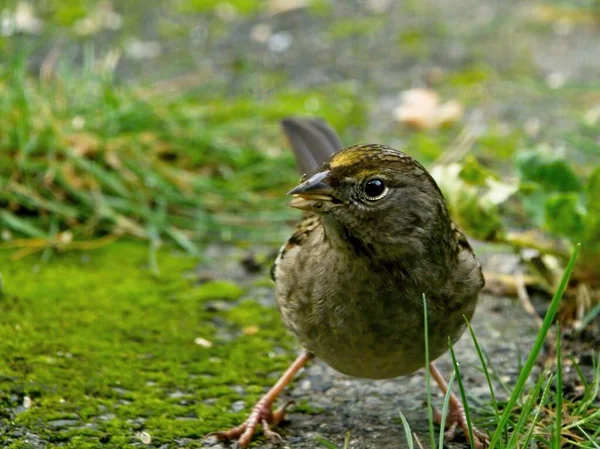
column 261, row 413
column 456, row 416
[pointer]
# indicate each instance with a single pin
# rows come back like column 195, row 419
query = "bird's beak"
column 312, row 194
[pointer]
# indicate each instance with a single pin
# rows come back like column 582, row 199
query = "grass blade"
column 428, row 375
column 463, row 394
column 535, row 351
column 328, row 444
column 20, row 225
column 445, row 410
column 347, row 440
column 590, row 438
column 589, row 317
column 559, row 392
column 407, row 431
column 538, row 411
column 485, row 369
column 525, row 412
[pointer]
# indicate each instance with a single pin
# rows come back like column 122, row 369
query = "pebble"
column 62, row 423
column 203, row 342
column 238, row 406
column 145, row 437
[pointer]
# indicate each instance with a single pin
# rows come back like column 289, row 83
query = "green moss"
column 345, row 28
column 413, row 42
column 218, row 290
column 241, row 6
column 107, row 346
column 470, row 76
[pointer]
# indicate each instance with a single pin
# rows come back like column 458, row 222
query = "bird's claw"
column 456, row 419
column 261, row 414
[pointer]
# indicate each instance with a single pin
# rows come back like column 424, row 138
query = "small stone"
column 107, row 417
column 238, row 406
column 555, row 80
column 26, row 402
column 145, row 437
column 280, row 42
column 261, row 32
column 533, row 125
column 121, row 391
column 203, row 342
column 238, row 389
column 62, row 423
column 139, row 49
column 78, row 123
column 305, row 385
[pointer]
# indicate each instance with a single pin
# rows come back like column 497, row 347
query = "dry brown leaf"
column 421, row 109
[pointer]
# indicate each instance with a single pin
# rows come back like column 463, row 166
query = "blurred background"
column 133, row 132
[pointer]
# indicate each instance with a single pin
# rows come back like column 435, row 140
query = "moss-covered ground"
column 104, row 349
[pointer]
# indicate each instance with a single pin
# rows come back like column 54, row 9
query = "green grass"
column 83, row 155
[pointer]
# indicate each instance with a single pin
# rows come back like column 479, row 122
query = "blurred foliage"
column 83, row 153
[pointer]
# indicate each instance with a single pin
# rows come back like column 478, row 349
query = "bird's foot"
column 457, row 419
column 261, row 415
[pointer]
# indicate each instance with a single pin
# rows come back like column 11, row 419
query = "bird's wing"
column 312, row 140
column 469, row 261
column 302, row 232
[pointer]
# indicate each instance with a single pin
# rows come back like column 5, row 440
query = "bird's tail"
column 313, row 142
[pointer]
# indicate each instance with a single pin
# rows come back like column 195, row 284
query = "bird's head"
column 377, row 194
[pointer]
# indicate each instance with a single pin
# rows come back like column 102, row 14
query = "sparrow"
column 375, row 241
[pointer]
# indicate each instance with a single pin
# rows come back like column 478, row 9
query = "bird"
column 375, row 241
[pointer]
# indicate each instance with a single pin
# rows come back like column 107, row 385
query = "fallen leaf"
column 421, row 109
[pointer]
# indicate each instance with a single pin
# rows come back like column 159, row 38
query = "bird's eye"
column 375, row 189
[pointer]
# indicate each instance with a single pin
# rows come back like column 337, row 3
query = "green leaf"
column 552, row 173
column 472, row 172
column 474, row 208
column 482, row 221
column 591, row 233
column 593, row 192
column 534, row 199
column 564, row 215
